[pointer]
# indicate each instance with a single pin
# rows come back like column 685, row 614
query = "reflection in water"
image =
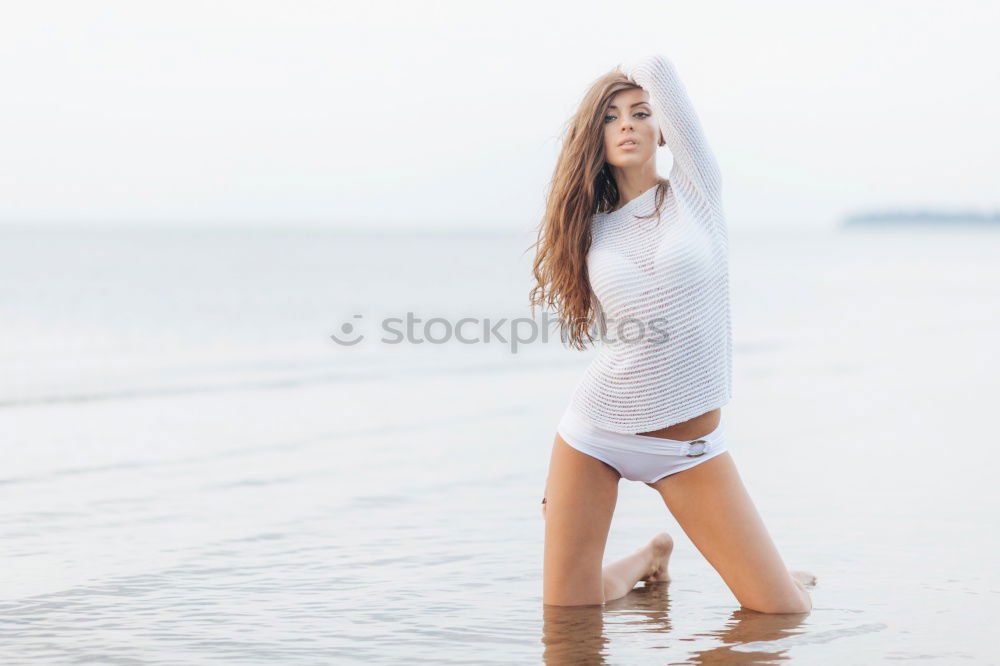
column 748, row 626
column 576, row 635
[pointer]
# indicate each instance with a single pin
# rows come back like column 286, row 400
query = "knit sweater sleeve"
column 682, row 131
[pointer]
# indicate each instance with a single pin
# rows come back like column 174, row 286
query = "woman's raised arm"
column 676, row 117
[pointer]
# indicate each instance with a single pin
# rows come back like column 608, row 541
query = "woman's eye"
column 642, row 114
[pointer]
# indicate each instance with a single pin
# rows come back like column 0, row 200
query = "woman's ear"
column 662, row 142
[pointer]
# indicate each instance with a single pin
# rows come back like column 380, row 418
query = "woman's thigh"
column 581, row 493
column 714, row 509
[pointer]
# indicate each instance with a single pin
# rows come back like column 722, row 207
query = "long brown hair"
column 582, row 184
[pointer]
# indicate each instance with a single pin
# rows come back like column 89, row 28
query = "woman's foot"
column 658, row 549
column 804, row 577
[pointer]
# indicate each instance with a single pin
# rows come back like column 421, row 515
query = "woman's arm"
column 693, row 158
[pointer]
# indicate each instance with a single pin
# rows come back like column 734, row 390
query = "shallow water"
column 192, row 472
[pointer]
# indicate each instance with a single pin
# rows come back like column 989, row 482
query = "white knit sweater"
column 666, row 277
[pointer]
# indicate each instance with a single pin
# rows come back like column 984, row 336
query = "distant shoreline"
column 922, row 217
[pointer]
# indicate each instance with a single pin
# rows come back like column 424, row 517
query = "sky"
column 449, row 115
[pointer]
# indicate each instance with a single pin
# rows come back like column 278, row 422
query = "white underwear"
column 640, row 457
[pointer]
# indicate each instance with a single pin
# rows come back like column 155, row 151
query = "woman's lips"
column 628, row 145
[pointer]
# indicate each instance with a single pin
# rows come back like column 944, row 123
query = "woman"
column 646, row 258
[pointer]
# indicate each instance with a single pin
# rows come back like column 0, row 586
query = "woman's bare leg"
column 648, row 563
column 581, row 493
column 714, row 509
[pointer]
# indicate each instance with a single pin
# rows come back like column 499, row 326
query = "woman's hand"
column 544, row 495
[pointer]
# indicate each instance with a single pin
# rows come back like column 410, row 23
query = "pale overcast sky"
column 448, row 114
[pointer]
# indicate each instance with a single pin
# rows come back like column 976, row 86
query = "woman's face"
column 630, row 119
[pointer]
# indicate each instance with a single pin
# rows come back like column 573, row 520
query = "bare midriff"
column 694, row 428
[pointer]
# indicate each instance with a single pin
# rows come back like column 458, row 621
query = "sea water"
column 193, row 471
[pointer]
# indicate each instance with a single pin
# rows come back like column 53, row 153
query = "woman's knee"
column 781, row 610
column 793, row 603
